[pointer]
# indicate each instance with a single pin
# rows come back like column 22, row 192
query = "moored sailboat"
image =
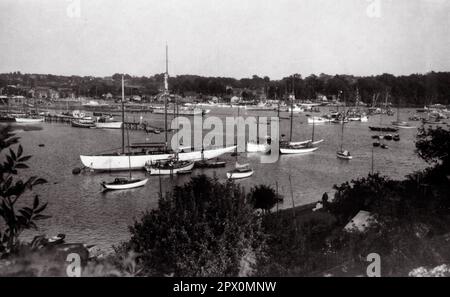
column 124, row 183
column 343, row 154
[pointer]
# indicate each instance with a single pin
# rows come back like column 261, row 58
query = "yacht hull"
column 137, row 162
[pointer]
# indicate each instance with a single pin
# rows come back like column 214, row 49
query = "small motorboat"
column 375, row 136
column 345, row 155
column 240, row 171
column 396, row 137
column 388, row 137
column 121, row 183
column 318, row 120
column 376, row 144
column 384, row 146
column 168, row 167
column 82, row 124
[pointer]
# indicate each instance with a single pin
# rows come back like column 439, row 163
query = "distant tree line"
column 414, row 89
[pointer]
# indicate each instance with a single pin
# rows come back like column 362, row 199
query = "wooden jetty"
column 129, row 125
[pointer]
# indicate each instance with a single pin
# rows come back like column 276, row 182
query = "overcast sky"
column 233, row 38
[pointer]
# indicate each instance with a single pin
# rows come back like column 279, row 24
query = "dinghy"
column 239, row 173
column 124, row 184
column 344, row 155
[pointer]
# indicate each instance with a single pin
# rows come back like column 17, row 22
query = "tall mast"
column 166, row 93
column 292, row 108
column 123, row 118
column 342, row 135
column 257, row 129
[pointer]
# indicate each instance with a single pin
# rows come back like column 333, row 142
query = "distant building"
column 66, row 93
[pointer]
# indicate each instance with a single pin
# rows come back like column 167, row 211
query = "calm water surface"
column 80, row 210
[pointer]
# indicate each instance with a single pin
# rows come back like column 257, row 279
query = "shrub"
column 203, row 228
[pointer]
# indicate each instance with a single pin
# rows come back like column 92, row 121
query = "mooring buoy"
column 76, row 170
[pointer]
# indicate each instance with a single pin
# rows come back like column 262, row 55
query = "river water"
column 85, row 214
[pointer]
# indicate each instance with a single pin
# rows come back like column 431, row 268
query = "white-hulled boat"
column 168, row 167
column 29, row 120
column 138, row 160
column 306, row 142
column 253, row 147
column 124, row 184
column 108, row 125
column 82, row 124
column 239, row 173
column 344, row 155
column 318, row 120
column 294, row 149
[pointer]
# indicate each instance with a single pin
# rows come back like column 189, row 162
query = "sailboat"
column 124, row 183
column 398, row 123
column 289, row 147
column 114, row 161
column 172, row 165
column 240, row 170
column 310, row 141
column 255, row 147
column 29, row 118
column 343, row 154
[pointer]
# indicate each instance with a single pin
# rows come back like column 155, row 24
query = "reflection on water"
column 80, row 209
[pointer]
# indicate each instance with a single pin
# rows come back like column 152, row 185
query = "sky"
column 230, row 38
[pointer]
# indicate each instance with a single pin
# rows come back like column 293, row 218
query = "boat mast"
column 342, row 135
column 236, row 152
column 129, row 154
column 257, row 129
column 123, row 119
column 166, row 93
column 312, row 138
column 292, row 109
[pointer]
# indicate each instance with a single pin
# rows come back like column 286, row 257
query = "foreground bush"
column 203, row 228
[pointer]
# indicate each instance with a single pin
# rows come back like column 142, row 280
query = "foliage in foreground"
column 203, row 228
column 16, row 219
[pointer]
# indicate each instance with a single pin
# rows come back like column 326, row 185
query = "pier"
column 128, row 125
